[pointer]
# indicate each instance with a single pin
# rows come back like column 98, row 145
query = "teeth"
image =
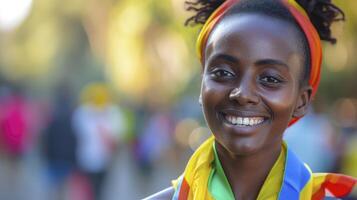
column 234, row 120
column 240, row 120
column 244, row 121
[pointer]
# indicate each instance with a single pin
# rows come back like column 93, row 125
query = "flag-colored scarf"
column 298, row 182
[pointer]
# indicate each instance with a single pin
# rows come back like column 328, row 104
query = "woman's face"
column 250, row 87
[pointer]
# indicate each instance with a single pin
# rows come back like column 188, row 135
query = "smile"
column 243, row 121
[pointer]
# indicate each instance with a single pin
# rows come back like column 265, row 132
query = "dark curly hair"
column 322, row 14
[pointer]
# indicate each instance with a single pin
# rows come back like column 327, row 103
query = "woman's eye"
column 222, row 73
column 270, row 80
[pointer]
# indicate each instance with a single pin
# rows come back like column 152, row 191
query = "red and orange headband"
column 301, row 18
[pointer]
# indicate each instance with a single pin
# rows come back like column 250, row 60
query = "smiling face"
column 250, row 87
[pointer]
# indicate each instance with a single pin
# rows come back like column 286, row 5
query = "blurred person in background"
column 59, row 144
column 19, row 128
column 15, row 123
column 150, row 149
column 99, row 126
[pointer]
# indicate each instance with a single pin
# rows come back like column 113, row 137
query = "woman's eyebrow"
column 225, row 57
column 271, row 62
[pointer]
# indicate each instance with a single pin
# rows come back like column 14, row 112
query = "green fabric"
column 218, row 185
column 220, row 189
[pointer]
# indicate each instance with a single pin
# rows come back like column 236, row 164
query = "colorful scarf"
column 301, row 18
column 298, row 181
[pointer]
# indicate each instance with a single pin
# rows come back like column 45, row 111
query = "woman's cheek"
column 281, row 101
column 213, row 89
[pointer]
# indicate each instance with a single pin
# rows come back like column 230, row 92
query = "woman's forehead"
column 254, row 32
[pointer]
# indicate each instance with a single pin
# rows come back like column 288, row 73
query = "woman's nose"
column 244, row 94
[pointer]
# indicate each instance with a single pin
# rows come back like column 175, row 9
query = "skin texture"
column 252, row 68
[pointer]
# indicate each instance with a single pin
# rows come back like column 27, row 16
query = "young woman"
column 261, row 68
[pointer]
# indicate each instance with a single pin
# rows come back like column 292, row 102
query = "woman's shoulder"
column 165, row 194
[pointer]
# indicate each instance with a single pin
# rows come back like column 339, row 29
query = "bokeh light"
column 13, row 13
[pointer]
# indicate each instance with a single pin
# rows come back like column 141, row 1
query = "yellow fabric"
column 198, row 169
column 272, row 185
column 306, row 192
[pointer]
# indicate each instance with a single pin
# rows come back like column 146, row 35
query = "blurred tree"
column 142, row 47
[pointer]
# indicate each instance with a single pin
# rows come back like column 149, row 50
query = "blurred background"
column 99, row 99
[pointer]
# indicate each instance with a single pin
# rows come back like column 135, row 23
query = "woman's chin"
column 241, row 148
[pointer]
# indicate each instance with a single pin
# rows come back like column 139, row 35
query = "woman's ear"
column 303, row 103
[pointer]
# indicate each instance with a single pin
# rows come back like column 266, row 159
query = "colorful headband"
column 301, row 18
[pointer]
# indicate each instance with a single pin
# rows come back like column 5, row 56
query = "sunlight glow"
column 13, row 13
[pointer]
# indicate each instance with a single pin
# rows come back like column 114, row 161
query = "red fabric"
column 314, row 41
column 184, row 190
column 338, row 185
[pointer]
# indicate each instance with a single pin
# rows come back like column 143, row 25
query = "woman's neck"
column 246, row 174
